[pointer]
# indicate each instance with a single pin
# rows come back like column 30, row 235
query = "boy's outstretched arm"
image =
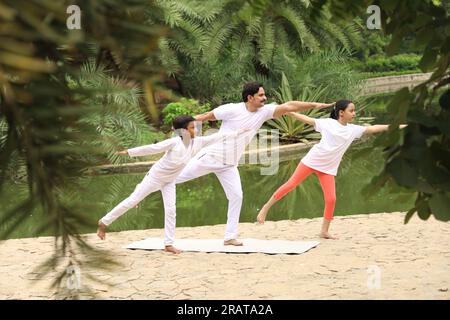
column 159, row 147
column 296, row 106
column 377, row 128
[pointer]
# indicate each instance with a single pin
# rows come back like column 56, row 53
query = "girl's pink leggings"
column 326, row 181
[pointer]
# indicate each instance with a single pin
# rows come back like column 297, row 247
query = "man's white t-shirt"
column 336, row 138
column 235, row 116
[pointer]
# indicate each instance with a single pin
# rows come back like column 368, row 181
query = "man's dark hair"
column 181, row 122
column 250, row 89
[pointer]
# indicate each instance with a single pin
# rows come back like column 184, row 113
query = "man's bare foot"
column 261, row 217
column 326, row 235
column 232, row 242
column 172, row 249
column 101, row 231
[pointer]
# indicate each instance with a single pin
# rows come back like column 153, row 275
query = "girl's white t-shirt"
column 336, row 138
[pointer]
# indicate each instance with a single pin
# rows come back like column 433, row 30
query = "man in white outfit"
column 179, row 150
column 222, row 158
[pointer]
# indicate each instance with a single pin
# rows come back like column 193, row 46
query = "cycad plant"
column 323, row 77
column 289, row 128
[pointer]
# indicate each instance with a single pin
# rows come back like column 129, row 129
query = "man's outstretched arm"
column 298, row 106
column 207, row 116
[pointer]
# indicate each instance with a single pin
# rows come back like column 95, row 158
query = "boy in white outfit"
column 179, row 150
column 222, row 158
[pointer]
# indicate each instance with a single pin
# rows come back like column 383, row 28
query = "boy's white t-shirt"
column 235, row 116
column 177, row 154
column 336, row 138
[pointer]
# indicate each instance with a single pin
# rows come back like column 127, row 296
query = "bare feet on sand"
column 101, row 231
column 261, row 217
column 326, row 235
column 172, row 249
column 232, row 242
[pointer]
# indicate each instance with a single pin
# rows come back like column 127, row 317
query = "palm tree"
column 209, row 48
column 43, row 112
column 115, row 111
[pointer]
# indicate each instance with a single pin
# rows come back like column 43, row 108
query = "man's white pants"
column 148, row 185
column 230, row 180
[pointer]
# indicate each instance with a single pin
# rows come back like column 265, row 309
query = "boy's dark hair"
column 181, row 122
column 338, row 106
column 250, row 89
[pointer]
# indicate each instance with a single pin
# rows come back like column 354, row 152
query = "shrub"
column 185, row 106
column 398, row 62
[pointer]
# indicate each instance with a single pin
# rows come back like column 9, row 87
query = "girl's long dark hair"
column 339, row 105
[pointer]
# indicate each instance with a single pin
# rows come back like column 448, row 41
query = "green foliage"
column 185, row 106
column 418, row 159
column 16, row 170
column 374, row 44
column 329, row 70
column 115, row 114
column 381, row 63
column 217, row 46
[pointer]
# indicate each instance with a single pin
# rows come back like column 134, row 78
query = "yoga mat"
column 216, row 245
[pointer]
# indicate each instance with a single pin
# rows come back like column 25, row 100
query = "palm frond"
column 218, row 34
column 168, row 58
column 266, row 43
column 296, row 21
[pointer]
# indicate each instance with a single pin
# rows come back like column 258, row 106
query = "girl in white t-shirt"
column 323, row 159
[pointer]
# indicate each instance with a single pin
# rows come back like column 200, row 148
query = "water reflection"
column 203, row 202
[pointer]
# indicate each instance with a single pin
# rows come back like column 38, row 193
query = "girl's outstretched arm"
column 377, row 128
column 302, row 118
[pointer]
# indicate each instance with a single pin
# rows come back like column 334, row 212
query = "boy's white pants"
column 148, row 185
column 230, row 180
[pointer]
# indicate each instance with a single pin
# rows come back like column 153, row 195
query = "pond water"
column 203, row 202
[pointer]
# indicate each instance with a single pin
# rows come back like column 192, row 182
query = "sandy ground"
column 376, row 257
